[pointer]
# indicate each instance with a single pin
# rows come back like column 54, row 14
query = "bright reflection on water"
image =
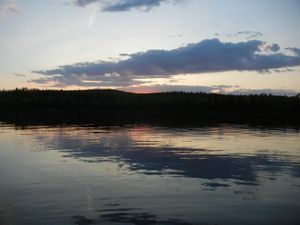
column 226, row 174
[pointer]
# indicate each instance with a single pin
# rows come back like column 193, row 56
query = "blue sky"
column 233, row 46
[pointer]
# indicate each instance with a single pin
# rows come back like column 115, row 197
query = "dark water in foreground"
column 221, row 174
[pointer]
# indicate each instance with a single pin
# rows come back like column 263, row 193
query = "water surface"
column 221, row 174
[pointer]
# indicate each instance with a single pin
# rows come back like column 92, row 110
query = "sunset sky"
column 232, row 46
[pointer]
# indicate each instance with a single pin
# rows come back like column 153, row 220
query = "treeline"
column 107, row 100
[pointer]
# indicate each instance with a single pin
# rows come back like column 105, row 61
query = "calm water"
column 222, row 174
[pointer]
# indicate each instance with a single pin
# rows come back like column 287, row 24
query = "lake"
column 147, row 173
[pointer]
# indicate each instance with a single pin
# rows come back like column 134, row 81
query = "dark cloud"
column 283, row 70
column 131, row 4
column 85, row 2
column 206, row 56
column 296, row 51
column 275, row 48
column 272, row 48
column 108, row 80
column 124, row 5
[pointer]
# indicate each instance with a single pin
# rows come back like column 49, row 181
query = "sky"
column 232, row 46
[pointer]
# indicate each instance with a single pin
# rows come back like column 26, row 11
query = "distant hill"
column 107, row 100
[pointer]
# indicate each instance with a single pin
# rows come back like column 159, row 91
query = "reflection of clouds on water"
column 155, row 151
column 151, row 175
column 89, row 198
column 82, row 220
column 132, row 216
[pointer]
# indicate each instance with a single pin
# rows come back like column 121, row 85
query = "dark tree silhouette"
column 107, row 100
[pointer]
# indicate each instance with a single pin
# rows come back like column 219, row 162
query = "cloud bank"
column 220, row 89
column 185, row 88
column 124, row 5
column 207, row 56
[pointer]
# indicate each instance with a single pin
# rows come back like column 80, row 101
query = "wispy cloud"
column 19, row 75
column 247, row 33
column 124, row 5
column 245, row 91
column 185, row 88
column 220, row 89
column 9, row 7
column 206, row 56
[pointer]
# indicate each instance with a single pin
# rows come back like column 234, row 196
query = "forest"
column 113, row 100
